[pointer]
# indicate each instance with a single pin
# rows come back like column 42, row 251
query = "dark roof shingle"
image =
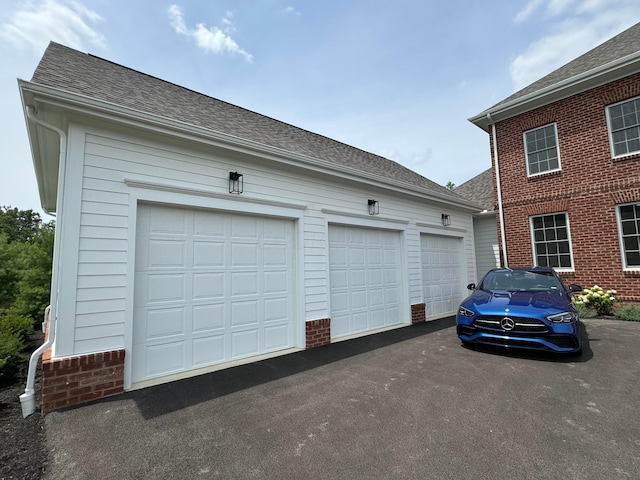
column 73, row 71
column 479, row 189
column 616, row 48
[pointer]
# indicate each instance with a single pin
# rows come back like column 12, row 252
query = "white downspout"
column 27, row 399
column 499, row 188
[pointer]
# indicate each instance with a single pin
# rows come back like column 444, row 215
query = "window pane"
column 541, row 149
column 633, row 259
column 537, row 222
column 626, row 212
column 629, row 227
column 565, row 261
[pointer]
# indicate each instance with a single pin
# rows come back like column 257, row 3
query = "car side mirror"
column 573, row 288
column 472, row 286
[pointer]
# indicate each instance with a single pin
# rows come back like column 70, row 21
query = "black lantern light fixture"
column 446, row 220
column 235, row 183
column 374, row 207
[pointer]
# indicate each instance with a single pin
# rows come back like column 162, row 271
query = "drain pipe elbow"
column 27, row 399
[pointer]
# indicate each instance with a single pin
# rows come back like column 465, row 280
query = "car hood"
column 521, row 302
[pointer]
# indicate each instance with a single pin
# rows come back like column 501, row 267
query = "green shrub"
column 15, row 331
column 598, row 299
column 629, row 312
column 11, row 356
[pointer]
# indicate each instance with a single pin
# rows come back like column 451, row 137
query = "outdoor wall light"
column 235, row 182
column 446, row 220
column 374, row 207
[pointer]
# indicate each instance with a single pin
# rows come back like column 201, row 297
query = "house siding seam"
column 80, row 379
column 588, row 187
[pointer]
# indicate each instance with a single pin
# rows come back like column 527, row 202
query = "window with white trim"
column 624, row 127
column 551, row 241
column 541, row 150
column 629, row 230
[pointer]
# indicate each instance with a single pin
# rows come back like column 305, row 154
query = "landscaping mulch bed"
column 23, row 453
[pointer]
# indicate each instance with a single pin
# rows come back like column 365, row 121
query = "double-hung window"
column 541, row 150
column 629, row 231
column 624, row 127
column 551, row 241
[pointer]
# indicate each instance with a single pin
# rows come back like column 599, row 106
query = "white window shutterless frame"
column 541, row 150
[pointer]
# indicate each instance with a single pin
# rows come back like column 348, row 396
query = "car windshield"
column 518, row 280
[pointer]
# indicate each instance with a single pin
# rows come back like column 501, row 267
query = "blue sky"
column 397, row 78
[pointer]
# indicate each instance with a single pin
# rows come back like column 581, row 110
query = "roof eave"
column 37, row 93
column 588, row 80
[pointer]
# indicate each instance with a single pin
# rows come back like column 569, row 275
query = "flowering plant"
column 595, row 297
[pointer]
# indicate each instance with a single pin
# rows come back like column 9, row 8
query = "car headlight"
column 564, row 317
column 465, row 312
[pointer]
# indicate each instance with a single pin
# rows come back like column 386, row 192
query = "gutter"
column 503, row 236
column 108, row 110
column 27, row 399
column 595, row 77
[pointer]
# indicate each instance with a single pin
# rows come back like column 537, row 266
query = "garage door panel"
column 212, row 281
column 163, row 288
column 164, row 359
column 208, row 317
column 208, row 254
column 442, row 264
column 276, row 310
column 276, row 337
column 275, row 282
column 244, row 313
column 244, row 283
column 207, row 350
column 164, row 323
column 364, row 264
column 244, row 227
column 357, row 278
column 244, row 343
column 207, row 286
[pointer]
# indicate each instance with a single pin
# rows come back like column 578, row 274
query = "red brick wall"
column 589, row 186
column 75, row 380
column 318, row 332
column 418, row 313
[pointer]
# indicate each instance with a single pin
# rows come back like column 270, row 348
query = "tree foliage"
column 26, row 254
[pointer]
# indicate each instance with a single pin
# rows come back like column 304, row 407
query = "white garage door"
column 442, row 274
column 366, row 280
column 210, row 288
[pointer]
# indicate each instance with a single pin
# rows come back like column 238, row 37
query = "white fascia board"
column 72, row 102
column 596, row 77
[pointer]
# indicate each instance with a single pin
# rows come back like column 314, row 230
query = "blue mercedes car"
column 527, row 308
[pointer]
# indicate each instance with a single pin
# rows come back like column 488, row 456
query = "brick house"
column 566, row 160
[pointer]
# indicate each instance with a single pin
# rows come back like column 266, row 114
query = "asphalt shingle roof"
column 623, row 44
column 67, row 69
column 479, row 189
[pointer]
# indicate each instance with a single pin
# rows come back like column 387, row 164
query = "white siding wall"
column 106, row 240
column 486, row 240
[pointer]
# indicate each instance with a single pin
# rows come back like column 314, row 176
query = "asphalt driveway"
column 407, row 404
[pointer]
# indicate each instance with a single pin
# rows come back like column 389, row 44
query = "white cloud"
column 573, row 28
column 209, row 39
column 66, row 22
column 291, row 11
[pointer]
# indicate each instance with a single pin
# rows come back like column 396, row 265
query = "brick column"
column 418, row 313
column 318, row 332
column 75, row 380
